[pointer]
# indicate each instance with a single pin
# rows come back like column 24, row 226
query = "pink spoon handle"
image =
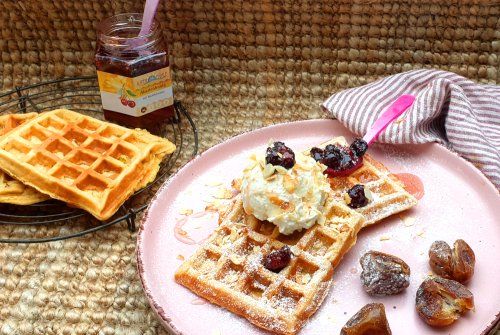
column 396, row 109
column 148, row 16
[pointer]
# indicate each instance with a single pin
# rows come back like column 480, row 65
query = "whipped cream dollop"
column 292, row 199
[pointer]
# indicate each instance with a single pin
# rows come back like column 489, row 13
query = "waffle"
column 227, row 269
column 85, row 162
column 12, row 191
column 389, row 195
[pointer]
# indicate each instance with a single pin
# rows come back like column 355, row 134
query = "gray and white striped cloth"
column 449, row 109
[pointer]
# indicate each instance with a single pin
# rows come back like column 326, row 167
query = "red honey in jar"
column 133, row 72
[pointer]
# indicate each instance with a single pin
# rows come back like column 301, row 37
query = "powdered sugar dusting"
column 443, row 215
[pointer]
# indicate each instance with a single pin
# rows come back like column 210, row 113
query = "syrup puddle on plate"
column 413, row 184
column 194, row 228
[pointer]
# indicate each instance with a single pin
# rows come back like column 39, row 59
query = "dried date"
column 384, row 274
column 457, row 264
column 369, row 320
column 440, row 301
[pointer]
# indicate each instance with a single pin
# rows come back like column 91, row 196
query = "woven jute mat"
column 237, row 66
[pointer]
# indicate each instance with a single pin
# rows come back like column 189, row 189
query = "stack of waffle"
column 228, row 269
column 82, row 161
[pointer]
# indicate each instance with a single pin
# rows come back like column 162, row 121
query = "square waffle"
column 85, row 162
column 389, row 195
column 228, row 268
column 12, row 191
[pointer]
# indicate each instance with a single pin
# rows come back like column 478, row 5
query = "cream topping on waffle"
column 291, row 199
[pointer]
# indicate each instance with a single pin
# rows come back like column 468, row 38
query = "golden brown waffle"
column 389, row 195
column 12, row 191
column 228, row 268
column 85, row 162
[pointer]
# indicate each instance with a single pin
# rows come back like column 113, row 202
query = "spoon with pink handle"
column 147, row 22
column 397, row 108
column 148, row 16
column 342, row 161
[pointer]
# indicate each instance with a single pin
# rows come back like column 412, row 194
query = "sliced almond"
column 186, row 211
column 268, row 171
column 407, row 221
column 213, row 183
column 368, row 194
column 223, row 193
column 289, row 183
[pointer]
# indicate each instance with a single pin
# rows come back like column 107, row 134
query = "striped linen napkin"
column 449, row 109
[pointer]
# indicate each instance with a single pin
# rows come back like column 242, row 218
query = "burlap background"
column 238, row 65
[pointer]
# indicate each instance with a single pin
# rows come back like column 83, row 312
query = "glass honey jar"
column 133, row 72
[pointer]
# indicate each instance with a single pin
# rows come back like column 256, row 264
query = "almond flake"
column 236, row 184
column 250, row 165
column 280, row 169
column 421, row 233
column 180, row 257
column 213, row 183
column 368, row 194
column 290, row 183
column 384, row 238
column 198, row 301
column 223, row 193
column 186, row 211
column 268, row 171
column 235, row 259
column 271, row 177
column 407, row 221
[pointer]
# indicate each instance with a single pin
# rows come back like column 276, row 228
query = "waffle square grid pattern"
column 83, row 161
column 228, row 269
column 12, row 191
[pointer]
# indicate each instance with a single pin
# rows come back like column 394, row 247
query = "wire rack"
column 52, row 220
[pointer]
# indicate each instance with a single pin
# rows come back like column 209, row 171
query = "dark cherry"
column 358, row 197
column 316, row 153
column 278, row 259
column 359, row 147
column 280, row 154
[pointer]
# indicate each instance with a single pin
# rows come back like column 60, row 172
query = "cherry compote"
column 341, row 160
column 280, row 154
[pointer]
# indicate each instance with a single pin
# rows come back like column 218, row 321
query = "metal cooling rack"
column 52, row 220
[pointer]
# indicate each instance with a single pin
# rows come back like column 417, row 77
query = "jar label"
column 138, row 95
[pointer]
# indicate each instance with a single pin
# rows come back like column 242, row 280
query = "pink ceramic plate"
column 459, row 202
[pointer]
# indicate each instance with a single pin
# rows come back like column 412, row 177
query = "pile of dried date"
column 440, row 300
